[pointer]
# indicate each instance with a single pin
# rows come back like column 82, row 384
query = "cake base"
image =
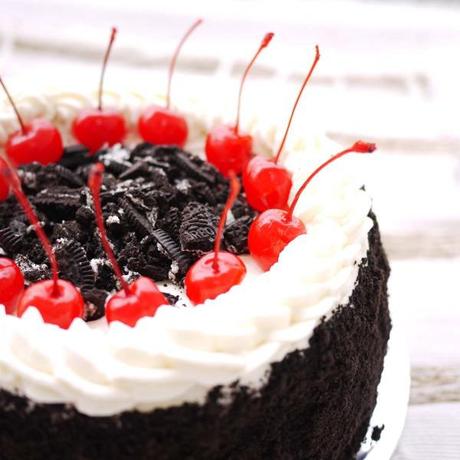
column 317, row 402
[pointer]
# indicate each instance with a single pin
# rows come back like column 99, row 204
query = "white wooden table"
column 388, row 73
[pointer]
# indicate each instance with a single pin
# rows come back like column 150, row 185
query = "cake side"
column 316, row 403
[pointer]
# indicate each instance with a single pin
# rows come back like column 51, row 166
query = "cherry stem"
column 307, row 78
column 265, row 41
column 95, row 179
column 113, row 34
column 357, row 147
column 234, row 191
column 16, row 111
column 172, row 64
column 10, row 174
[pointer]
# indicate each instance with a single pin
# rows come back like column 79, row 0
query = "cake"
column 283, row 365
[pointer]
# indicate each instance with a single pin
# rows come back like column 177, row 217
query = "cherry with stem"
column 163, row 125
column 273, row 229
column 267, row 183
column 226, row 147
column 38, row 141
column 137, row 299
column 100, row 126
column 58, row 301
column 216, row 272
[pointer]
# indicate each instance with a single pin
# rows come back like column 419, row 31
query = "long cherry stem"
column 113, row 34
column 265, row 41
column 172, row 64
column 234, row 190
column 16, row 111
column 10, row 174
column 95, row 179
column 357, row 147
column 307, row 78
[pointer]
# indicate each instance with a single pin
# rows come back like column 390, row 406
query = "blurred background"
column 389, row 73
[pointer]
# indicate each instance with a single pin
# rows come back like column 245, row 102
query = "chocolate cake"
column 284, row 365
column 316, row 404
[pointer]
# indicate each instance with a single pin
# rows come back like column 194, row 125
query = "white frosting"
column 181, row 353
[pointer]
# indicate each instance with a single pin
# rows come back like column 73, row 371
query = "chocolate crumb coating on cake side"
column 316, row 404
column 161, row 207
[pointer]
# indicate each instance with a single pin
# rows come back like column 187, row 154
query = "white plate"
column 392, row 399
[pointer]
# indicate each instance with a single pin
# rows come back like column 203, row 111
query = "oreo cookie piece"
column 198, row 228
column 74, row 264
column 68, row 177
column 170, row 222
column 139, row 169
column 58, row 202
column 95, row 303
column 138, row 222
column 195, row 167
column 75, row 155
column 32, row 272
column 10, row 241
column 169, row 247
column 236, row 235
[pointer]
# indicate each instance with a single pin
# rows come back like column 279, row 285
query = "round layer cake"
column 285, row 365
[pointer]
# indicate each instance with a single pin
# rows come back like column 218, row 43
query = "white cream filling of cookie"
column 181, row 353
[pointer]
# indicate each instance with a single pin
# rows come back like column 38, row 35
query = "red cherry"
column 135, row 300
column 37, row 141
column 269, row 234
column 259, row 179
column 162, row 125
column 216, row 272
column 95, row 128
column 226, row 148
column 272, row 230
column 58, row 304
column 4, row 186
column 142, row 299
column 40, row 142
column 268, row 184
column 203, row 282
column 11, row 285
column 58, row 301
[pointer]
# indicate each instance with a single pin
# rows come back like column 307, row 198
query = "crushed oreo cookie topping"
column 161, row 207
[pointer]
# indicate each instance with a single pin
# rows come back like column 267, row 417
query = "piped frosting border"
column 181, row 353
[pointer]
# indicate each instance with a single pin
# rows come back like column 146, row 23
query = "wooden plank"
column 431, row 433
column 435, row 384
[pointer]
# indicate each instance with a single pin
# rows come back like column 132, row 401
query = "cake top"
column 161, row 206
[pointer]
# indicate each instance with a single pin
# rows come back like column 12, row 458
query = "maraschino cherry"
column 4, row 186
column 36, row 141
column 226, row 147
column 137, row 299
column 58, row 301
column 217, row 271
column 268, row 184
column 11, row 285
column 163, row 125
column 273, row 229
column 100, row 126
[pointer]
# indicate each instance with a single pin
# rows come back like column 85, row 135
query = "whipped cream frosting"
column 181, row 353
